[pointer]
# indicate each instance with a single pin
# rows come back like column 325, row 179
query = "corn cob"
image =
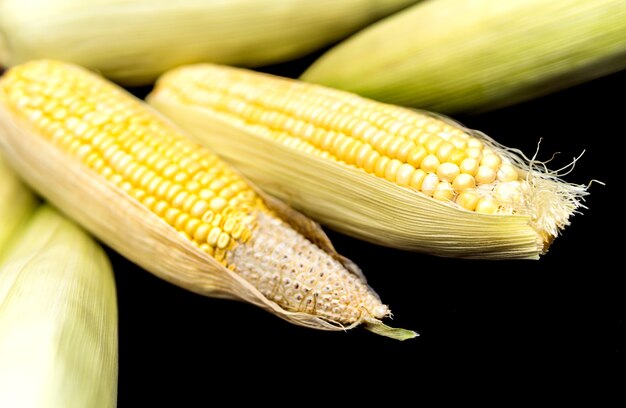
column 382, row 173
column 133, row 41
column 16, row 204
column 454, row 56
column 58, row 318
column 170, row 205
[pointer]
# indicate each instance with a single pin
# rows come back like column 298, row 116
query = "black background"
column 514, row 323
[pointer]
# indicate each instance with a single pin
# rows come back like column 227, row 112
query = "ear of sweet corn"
column 133, row 41
column 58, row 318
column 170, row 205
column 454, row 56
column 16, row 204
column 389, row 175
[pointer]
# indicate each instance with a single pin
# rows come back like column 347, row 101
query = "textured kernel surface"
column 186, row 185
column 385, row 140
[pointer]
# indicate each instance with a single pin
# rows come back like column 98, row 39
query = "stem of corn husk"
column 58, row 318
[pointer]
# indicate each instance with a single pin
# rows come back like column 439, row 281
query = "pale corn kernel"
column 416, row 155
column 394, row 146
column 191, row 226
column 404, row 174
column 181, row 221
column 430, row 184
column 370, row 162
column 362, row 153
column 507, row 173
column 457, row 156
column 432, row 143
column 443, row 191
column 199, row 208
column 206, row 194
column 509, row 193
column 448, row 171
column 213, row 236
column 392, row 170
column 229, row 225
column 485, row 175
column 171, row 215
column 417, row 179
column 491, row 160
column 430, row 164
column 463, row 182
column 474, row 153
column 223, row 240
column 468, row 199
column 381, row 166
column 217, row 204
column 404, row 149
column 475, row 143
column 444, row 151
column 469, row 166
column 486, row 205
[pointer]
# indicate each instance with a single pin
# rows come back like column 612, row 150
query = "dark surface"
column 483, row 322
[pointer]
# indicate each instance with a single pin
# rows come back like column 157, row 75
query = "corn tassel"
column 452, row 56
column 133, row 41
column 379, row 172
column 170, row 205
column 58, row 318
column 16, row 204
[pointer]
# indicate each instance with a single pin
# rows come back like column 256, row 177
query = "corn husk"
column 133, row 41
column 58, row 318
column 16, row 204
column 350, row 200
column 133, row 230
column 454, row 56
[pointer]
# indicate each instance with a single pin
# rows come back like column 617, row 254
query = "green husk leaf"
column 454, row 56
column 58, row 318
column 133, row 41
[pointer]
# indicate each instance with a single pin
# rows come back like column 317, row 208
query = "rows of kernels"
column 384, row 140
column 188, row 187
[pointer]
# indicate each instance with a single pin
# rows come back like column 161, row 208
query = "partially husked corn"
column 158, row 187
column 340, row 146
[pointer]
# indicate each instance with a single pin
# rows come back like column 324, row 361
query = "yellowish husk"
column 454, row 56
column 362, row 205
column 133, row 41
column 58, row 318
column 16, row 204
column 131, row 229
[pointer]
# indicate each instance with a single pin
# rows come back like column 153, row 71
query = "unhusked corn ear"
column 16, row 204
column 170, row 205
column 454, row 56
column 386, row 174
column 58, row 318
column 133, row 41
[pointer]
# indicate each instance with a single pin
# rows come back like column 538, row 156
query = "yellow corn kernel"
column 178, row 225
column 409, row 148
